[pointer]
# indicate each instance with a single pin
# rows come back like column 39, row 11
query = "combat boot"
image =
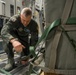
column 10, row 65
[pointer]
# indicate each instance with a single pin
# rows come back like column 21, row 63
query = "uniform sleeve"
column 7, row 28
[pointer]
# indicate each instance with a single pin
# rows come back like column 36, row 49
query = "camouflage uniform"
column 15, row 29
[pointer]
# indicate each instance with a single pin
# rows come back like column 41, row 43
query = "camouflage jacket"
column 15, row 29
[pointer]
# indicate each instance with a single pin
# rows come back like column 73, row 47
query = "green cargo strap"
column 32, row 50
column 5, row 72
column 47, row 30
column 71, row 21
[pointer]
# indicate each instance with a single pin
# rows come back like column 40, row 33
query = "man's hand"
column 17, row 45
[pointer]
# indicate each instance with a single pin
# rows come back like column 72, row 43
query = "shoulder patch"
column 13, row 19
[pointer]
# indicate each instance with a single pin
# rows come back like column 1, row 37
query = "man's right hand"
column 17, row 45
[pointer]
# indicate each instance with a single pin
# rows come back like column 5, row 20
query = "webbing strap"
column 66, row 11
column 53, row 50
column 68, row 72
column 5, row 72
column 58, row 71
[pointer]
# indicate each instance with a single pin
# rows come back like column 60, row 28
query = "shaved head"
column 26, row 11
column 26, row 15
